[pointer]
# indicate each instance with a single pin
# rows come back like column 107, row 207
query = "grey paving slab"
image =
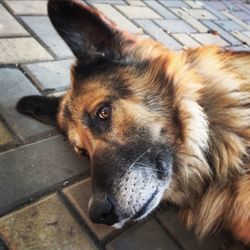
column 157, row 7
column 176, row 26
column 44, row 225
column 15, row 85
column 22, row 50
column 214, row 11
column 242, row 37
column 242, row 15
column 158, row 33
column 147, row 236
column 79, row 195
column 138, row 12
column 209, row 39
column 200, row 14
column 186, row 238
column 231, row 5
column 135, row 3
column 36, row 167
column 50, row 75
column 27, row 7
column 190, row 20
column 9, row 26
column 107, row 1
column 2, row 245
column 244, row 7
column 117, row 17
column 43, row 28
column 221, row 32
column 229, row 25
column 240, row 48
column 219, row 5
column 246, row 33
column 194, row 4
column 186, row 40
column 5, row 136
column 172, row 3
column 237, row 20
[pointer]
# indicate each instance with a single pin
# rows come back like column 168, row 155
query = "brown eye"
column 104, row 113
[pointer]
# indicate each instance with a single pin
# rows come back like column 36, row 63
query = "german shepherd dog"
column 156, row 124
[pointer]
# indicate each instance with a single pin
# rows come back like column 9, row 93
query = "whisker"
column 147, row 150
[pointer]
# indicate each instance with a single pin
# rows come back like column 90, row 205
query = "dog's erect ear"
column 42, row 108
column 87, row 32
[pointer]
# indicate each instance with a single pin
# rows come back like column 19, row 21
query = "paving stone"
column 46, row 224
column 138, row 12
column 190, row 20
column 171, row 4
column 243, row 7
column 43, row 28
column 214, row 11
column 241, row 15
column 146, row 236
column 242, row 37
column 230, row 5
column 200, row 14
column 135, row 3
column 37, row 167
column 79, row 195
column 240, row 48
column 107, row 1
column 209, row 39
column 21, row 50
column 187, row 239
column 157, row 33
column 117, row 17
column 194, row 4
column 166, row 14
column 5, row 136
column 175, row 26
column 222, row 33
column 2, row 245
column 28, row 7
column 50, row 75
column 186, row 40
column 219, row 5
column 243, row 24
column 229, row 25
column 9, row 26
column 246, row 33
column 15, row 85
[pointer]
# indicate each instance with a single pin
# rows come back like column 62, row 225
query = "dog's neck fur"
column 214, row 120
column 215, row 157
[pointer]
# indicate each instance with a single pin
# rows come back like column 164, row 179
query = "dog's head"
column 119, row 111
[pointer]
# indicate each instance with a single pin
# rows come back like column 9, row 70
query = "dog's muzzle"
column 101, row 211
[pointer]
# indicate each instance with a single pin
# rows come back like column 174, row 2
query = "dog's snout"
column 163, row 162
column 101, row 211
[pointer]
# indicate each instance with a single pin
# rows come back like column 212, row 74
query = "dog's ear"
column 87, row 32
column 42, row 108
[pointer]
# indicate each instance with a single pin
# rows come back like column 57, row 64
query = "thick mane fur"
column 224, row 101
column 210, row 91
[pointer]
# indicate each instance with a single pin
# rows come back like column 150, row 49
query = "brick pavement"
column 44, row 185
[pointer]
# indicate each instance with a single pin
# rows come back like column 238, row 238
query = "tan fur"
column 210, row 97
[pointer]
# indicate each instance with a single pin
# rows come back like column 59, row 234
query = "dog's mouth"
column 150, row 204
column 147, row 207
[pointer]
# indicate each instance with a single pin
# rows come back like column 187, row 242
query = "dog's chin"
column 147, row 208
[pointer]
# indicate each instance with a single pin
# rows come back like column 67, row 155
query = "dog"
column 157, row 125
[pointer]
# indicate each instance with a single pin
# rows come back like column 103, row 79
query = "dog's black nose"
column 101, row 211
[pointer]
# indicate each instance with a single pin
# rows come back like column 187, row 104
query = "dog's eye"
column 104, row 112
